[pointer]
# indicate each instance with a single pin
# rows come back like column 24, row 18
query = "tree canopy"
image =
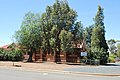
column 57, row 20
column 29, row 34
column 57, row 28
column 99, row 46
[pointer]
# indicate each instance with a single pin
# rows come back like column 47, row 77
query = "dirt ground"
column 37, row 66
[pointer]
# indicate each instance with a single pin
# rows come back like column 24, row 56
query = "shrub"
column 11, row 55
column 112, row 58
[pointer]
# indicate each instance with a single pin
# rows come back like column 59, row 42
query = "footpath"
column 104, row 70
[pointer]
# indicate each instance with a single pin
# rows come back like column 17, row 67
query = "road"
column 15, row 74
column 110, row 68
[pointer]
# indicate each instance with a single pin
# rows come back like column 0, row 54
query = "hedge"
column 10, row 55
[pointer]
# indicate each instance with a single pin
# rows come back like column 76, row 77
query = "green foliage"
column 12, row 55
column 29, row 34
column 99, row 17
column 43, row 32
column 88, row 34
column 112, row 58
column 56, row 29
column 99, row 46
column 56, row 18
column 96, row 37
column 118, row 50
column 66, row 38
column 78, row 32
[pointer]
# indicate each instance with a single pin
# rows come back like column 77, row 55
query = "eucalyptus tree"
column 99, row 46
column 112, row 46
column 46, row 24
column 29, row 34
column 63, row 19
column 56, row 18
column 66, row 38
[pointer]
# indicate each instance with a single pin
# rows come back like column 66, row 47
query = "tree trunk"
column 30, row 56
column 35, row 55
column 48, row 47
column 55, row 55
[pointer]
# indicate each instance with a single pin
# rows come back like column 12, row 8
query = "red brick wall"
column 62, row 57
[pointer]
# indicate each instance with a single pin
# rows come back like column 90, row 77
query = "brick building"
column 62, row 57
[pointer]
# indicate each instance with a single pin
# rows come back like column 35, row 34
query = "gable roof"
column 4, row 47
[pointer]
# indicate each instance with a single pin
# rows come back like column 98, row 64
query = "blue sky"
column 13, row 11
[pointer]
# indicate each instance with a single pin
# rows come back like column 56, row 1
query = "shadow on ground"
column 112, row 64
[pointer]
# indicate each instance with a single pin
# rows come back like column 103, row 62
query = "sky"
column 13, row 11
